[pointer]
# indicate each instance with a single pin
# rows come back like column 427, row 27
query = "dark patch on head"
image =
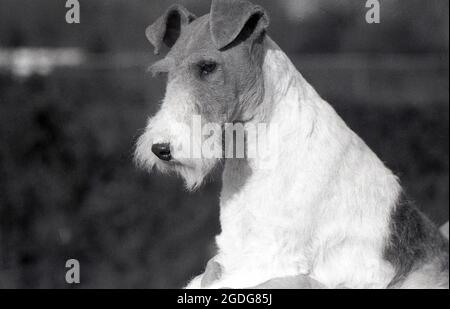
column 217, row 58
column 229, row 19
column 413, row 241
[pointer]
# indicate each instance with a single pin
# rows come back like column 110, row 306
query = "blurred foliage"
column 407, row 26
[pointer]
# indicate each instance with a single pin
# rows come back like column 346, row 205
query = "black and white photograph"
column 224, row 145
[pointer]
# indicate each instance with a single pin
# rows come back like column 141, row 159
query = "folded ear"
column 167, row 28
column 233, row 19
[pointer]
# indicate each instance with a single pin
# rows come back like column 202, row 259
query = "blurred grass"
column 69, row 189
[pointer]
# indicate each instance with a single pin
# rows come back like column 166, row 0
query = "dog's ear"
column 231, row 20
column 167, row 28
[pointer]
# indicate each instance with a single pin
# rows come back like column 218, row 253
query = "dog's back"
column 417, row 249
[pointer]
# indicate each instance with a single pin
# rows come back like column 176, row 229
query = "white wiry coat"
column 322, row 210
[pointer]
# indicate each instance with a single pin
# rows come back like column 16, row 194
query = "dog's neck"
column 303, row 126
column 321, row 169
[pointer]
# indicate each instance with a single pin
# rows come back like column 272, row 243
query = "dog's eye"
column 206, row 68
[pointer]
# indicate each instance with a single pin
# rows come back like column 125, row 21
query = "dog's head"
column 214, row 77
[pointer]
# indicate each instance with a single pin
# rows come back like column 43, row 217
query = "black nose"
column 162, row 151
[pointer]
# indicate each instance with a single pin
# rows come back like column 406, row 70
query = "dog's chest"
column 262, row 242
column 264, row 250
column 270, row 241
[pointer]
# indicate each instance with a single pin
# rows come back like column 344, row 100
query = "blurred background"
column 74, row 98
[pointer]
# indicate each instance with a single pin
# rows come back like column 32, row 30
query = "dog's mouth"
column 165, row 156
column 162, row 151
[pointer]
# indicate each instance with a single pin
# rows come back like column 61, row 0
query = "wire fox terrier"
column 326, row 212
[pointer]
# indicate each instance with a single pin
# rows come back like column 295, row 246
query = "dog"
column 327, row 212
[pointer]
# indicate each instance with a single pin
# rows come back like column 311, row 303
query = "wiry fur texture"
column 321, row 211
column 415, row 244
column 324, row 212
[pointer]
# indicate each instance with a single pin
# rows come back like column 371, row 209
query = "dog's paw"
column 212, row 274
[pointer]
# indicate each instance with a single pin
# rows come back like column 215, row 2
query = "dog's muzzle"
column 162, row 151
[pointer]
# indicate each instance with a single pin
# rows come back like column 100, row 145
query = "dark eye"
column 206, row 68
